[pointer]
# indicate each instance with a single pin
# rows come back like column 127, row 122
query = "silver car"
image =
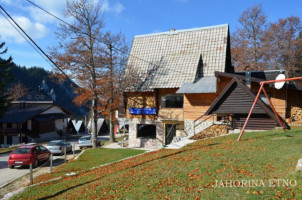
column 57, row 146
column 85, row 141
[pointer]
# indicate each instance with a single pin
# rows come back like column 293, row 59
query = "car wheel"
column 11, row 166
column 36, row 163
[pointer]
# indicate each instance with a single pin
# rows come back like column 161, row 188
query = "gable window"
column 172, row 101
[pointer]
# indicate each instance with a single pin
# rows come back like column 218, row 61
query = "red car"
column 24, row 155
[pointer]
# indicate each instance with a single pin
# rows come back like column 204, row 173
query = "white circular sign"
column 279, row 85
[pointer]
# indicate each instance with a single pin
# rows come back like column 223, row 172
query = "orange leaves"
column 220, row 170
column 194, row 176
column 270, row 167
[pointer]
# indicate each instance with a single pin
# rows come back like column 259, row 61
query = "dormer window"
column 42, row 96
column 29, row 96
column 37, row 96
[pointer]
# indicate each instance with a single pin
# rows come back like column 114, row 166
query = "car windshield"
column 22, row 151
column 54, row 143
column 84, row 138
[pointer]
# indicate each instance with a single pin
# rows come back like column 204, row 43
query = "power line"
column 27, row 39
column 34, row 43
column 79, row 30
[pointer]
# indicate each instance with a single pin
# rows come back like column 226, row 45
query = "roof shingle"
column 169, row 59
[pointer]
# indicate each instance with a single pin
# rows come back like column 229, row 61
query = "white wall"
column 59, row 124
column 54, row 109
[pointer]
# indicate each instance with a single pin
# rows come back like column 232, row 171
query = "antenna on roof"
column 280, row 84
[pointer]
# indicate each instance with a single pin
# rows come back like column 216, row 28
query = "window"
column 29, row 96
column 146, row 130
column 42, row 96
column 37, row 150
column 172, row 101
column 37, row 96
column 9, row 125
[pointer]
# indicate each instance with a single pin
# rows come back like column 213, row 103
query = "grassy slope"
column 90, row 158
column 190, row 172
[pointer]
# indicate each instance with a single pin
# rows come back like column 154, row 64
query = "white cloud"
column 55, row 7
column 116, row 8
column 35, row 30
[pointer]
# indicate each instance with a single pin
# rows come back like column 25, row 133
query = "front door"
column 170, row 130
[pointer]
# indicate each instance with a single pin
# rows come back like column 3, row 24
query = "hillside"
column 33, row 77
column 198, row 171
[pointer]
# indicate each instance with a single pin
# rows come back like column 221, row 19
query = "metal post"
column 73, row 149
column 31, row 174
column 250, row 113
column 51, row 163
column 65, row 154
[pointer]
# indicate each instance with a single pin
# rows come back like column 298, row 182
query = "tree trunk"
column 94, row 124
column 112, row 138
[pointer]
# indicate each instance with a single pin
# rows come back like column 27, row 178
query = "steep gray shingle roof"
column 169, row 59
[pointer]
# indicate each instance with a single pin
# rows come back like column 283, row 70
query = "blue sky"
column 131, row 17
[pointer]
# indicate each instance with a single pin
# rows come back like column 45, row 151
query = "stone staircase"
column 181, row 141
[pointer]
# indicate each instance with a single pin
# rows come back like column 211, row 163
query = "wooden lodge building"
column 183, row 82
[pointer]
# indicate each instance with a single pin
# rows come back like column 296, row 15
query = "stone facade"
column 135, row 142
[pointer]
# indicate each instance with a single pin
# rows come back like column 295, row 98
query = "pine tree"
column 5, row 78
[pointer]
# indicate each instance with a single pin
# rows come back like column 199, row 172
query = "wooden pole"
column 51, row 163
column 73, row 149
column 65, row 154
column 31, row 174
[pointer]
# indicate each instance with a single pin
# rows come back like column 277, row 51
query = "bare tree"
column 79, row 53
column 282, row 43
column 115, row 53
column 247, row 40
column 18, row 90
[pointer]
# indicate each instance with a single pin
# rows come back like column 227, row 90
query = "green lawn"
column 90, row 158
column 191, row 172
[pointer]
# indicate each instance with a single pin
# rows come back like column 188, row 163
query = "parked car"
column 57, row 146
column 85, row 141
column 26, row 154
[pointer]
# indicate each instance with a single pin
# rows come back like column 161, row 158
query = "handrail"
column 195, row 125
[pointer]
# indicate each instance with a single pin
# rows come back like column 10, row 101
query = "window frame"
column 163, row 101
column 148, row 136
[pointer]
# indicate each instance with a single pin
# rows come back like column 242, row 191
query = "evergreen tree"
column 5, row 78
